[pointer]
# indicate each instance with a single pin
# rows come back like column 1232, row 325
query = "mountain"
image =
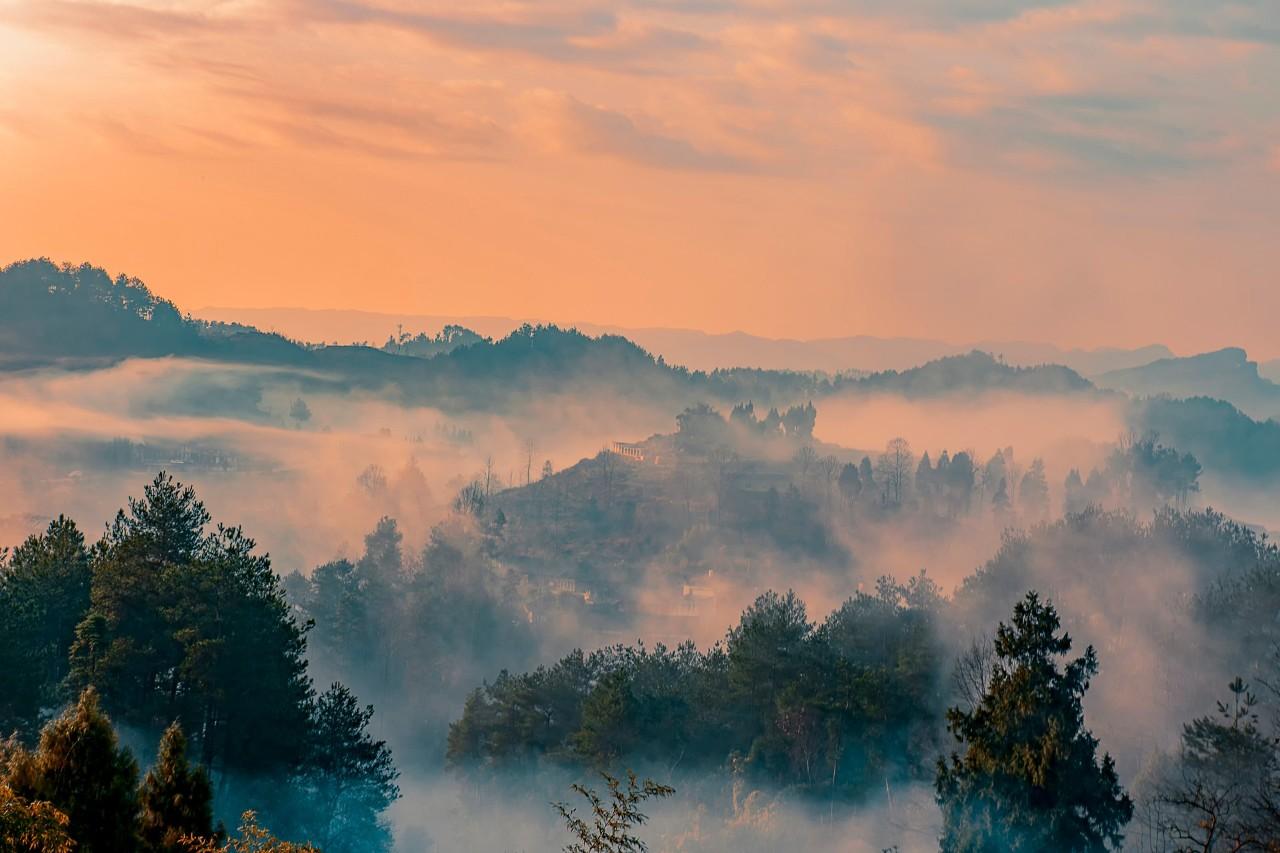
column 79, row 317
column 1224, row 439
column 973, row 372
column 1226, row 374
column 694, row 349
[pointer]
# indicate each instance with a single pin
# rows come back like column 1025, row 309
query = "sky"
column 1102, row 172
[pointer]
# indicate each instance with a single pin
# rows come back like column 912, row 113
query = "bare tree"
column 972, row 673
column 895, row 470
column 806, row 457
column 830, row 467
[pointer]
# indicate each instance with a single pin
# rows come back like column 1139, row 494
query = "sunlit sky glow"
column 1103, row 172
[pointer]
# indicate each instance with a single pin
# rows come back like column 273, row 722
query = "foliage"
column 183, row 624
column 350, row 778
column 832, row 707
column 253, row 838
column 31, row 827
column 614, row 817
column 176, row 799
column 44, row 593
column 1223, row 794
column 1028, row 778
column 80, row 770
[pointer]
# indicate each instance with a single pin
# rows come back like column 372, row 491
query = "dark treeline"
column 837, row 705
column 62, row 313
column 173, row 623
column 836, row 708
column 418, row 631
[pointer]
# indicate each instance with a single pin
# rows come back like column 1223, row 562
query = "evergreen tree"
column 1000, row 500
column 1074, row 499
column 925, row 486
column 44, row 593
column 183, row 624
column 1029, row 778
column 868, row 478
column 961, row 474
column 1033, row 493
column 80, row 769
column 176, row 799
column 850, row 482
column 349, row 778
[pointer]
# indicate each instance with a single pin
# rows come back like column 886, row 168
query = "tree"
column 31, row 827
column 471, row 499
column 850, row 483
column 1218, row 798
column 80, row 769
column 894, row 468
column 349, row 777
column 1074, row 498
column 176, row 799
column 798, row 421
column 613, row 820
column 44, row 593
column 183, row 624
column 253, row 838
column 1029, row 778
column 925, row 486
column 868, row 477
column 300, row 412
column 373, row 480
column 806, row 458
column 764, row 650
column 1000, row 499
column 1033, row 493
column 961, row 474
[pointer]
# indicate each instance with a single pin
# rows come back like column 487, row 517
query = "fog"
column 293, row 486
column 309, row 489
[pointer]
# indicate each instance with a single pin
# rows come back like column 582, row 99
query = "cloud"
column 125, row 21
column 591, row 35
column 565, row 123
column 1099, row 134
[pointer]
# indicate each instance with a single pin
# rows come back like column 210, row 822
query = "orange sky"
column 1086, row 173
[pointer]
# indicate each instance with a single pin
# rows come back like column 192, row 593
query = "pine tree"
column 176, row 798
column 1000, row 500
column 44, row 592
column 1029, row 779
column 80, row 769
column 350, row 777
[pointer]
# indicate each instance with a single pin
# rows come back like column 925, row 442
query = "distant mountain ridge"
column 62, row 314
column 1226, row 374
column 695, row 349
column 81, row 318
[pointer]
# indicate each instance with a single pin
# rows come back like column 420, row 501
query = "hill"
column 1226, row 374
column 695, row 349
column 81, row 316
column 973, row 372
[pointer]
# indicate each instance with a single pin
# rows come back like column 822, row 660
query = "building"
column 626, row 450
